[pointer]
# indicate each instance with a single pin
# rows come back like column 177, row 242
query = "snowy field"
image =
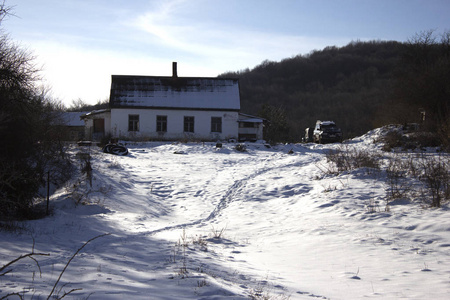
column 192, row 221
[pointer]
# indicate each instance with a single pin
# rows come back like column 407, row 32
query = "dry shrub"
column 346, row 159
column 412, row 140
column 435, row 173
column 396, row 172
column 391, row 139
column 433, row 170
column 425, row 139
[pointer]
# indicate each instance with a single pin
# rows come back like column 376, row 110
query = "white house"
column 168, row 108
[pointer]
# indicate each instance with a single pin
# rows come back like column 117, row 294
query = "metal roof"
column 73, row 118
column 174, row 92
column 245, row 118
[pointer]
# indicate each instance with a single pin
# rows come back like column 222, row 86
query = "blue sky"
column 80, row 43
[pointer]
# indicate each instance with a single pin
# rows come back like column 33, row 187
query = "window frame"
column 133, row 123
column 161, row 123
column 189, row 124
column 216, row 124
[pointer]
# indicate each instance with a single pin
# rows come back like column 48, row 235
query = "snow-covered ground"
column 192, row 221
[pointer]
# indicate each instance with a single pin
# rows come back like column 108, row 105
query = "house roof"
column 254, row 120
column 73, row 118
column 245, row 118
column 174, row 92
column 94, row 112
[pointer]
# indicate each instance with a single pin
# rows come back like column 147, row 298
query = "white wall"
column 89, row 124
column 175, row 124
column 258, row 131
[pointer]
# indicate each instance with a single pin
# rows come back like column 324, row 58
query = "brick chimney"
column 174, row 69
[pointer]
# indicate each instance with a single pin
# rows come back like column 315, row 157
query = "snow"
column 192, row 221
column 180, row 92
column 326, row 123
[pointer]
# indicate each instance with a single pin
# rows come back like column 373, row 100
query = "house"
column 72, row 126
column 170, row 108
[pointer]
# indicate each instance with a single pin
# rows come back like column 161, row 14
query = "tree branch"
column 22, row 257
column 70, row 260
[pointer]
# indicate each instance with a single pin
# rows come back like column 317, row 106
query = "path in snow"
column 289, row 230
column 229, row 196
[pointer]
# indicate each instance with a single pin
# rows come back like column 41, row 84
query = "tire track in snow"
column 226, row 199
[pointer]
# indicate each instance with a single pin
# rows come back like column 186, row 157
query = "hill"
column 349, row 85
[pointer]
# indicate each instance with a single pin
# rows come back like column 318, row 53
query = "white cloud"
column 228, row 46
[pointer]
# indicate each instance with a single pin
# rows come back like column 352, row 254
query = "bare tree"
column 4, row 11
column 27, row 131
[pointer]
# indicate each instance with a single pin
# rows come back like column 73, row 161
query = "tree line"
column 360, row 86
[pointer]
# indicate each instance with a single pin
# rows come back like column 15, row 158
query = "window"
column 188, row 124
column 216, row 124
column 133, row 122
column 161, row 123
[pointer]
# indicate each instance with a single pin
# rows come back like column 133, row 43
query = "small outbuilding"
column 72, row 125
column 250, row 127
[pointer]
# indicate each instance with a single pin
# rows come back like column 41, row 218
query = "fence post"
column 48, row 189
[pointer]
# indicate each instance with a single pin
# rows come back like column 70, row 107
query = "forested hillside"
column 349, row 85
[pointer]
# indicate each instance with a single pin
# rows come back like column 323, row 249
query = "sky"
column 79, row 44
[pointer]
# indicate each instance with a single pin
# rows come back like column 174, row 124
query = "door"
column 99, row 129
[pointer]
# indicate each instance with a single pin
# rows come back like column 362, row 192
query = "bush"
column 431, row 170
column 346, row 159
column 410, row 140
column 436, row 176
column 396, row 172
column 391, row 139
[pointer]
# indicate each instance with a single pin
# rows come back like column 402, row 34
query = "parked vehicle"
column 326, row 132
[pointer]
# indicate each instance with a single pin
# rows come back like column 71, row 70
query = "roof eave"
column 174, row 108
